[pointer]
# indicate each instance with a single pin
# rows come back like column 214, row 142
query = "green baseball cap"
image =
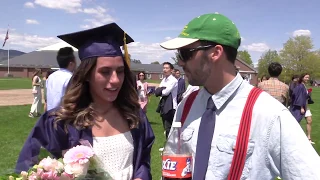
column 209, row 27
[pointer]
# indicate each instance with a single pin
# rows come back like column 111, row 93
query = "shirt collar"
column 166, row 78
column 65, row 70
column 273, row 78
column 225, row 93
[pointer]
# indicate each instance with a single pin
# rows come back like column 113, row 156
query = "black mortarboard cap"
column 103, row 41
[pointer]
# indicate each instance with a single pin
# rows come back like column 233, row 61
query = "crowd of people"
column 296, row 96
column 99, row 102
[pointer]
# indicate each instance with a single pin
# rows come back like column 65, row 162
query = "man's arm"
column 290, row 150
column 287, row 96
column 144, row 170
column 169, row 87
column 65, row 84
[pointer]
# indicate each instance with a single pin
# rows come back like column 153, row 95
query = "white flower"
column 49, row 164
column 24, row 175
column 77, row 169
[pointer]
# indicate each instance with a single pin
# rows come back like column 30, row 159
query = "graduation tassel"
column 125, row 48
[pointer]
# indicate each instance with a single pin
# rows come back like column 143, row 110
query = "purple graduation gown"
column 299, row 98
column 55, row 140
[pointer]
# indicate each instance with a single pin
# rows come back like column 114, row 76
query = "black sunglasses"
column 184, row 54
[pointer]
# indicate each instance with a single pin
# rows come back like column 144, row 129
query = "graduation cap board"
column 103, row 41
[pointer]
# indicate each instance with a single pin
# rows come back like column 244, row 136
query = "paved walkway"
column 22, row 96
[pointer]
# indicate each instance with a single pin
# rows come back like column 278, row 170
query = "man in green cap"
column 275, row 145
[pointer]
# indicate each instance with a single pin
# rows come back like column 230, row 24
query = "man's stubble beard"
column 200, row 76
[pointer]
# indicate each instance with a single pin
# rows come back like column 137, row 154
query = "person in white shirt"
column 57, row 82
column 277, row 144
column 167, row 90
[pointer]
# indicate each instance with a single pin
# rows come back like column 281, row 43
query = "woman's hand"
column 137, row 179
column 302, row 111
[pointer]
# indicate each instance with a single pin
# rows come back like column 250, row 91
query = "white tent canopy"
column 56, row 47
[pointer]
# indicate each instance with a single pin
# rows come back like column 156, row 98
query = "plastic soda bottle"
column 176, row 157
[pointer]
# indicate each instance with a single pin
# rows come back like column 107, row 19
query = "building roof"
column 317, row 81
column 246, row 64
column 47, row 59
column 37, row 59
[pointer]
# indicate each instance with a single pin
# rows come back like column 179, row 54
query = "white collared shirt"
column 171, row 84
column 277, row 145
column 56, row 85
column 189, row 90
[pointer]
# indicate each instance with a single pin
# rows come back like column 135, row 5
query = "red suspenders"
column 240, row 151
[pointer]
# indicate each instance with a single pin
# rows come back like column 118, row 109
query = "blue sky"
column 263, row 25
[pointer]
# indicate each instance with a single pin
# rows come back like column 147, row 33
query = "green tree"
column 155, row 62
column 136, row 61
column 264, row 61
column 245, row 56
column 175, row 58
column 297, row 57
column 312, row 64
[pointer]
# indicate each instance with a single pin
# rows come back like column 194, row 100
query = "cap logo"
column 183, row 31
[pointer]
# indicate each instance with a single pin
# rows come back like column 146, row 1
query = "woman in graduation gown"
column 299, row 97
column 100, row 106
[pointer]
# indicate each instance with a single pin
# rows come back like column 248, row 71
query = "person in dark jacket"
column 181, row 85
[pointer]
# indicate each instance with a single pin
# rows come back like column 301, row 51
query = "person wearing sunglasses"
column 277, row 146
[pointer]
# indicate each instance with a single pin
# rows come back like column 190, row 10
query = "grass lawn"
column 15, row 83
column 15, row 127
column 25, row 83
column 154, row 81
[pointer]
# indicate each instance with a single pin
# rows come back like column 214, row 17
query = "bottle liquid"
column 176, row 157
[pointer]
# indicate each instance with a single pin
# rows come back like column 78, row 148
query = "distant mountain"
column 12, row 53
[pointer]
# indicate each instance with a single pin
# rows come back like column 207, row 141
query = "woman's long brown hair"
column 36, row 72
column 301, row 77
column 76, row 106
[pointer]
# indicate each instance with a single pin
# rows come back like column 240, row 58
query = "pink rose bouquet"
column 78, row 162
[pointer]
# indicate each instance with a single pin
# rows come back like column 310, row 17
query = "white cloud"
column 256, row 47
column 31, row 21
column 85, row 26
column 71, row 6
column 29, row 5
column 27, row 42
column 148, row 52
column 145, row 52
column 167, row 38
column 99, row 17
column 158, row 29
column 301, row 32
column 243, row 39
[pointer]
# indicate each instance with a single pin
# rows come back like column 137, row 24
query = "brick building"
column 45, row 59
